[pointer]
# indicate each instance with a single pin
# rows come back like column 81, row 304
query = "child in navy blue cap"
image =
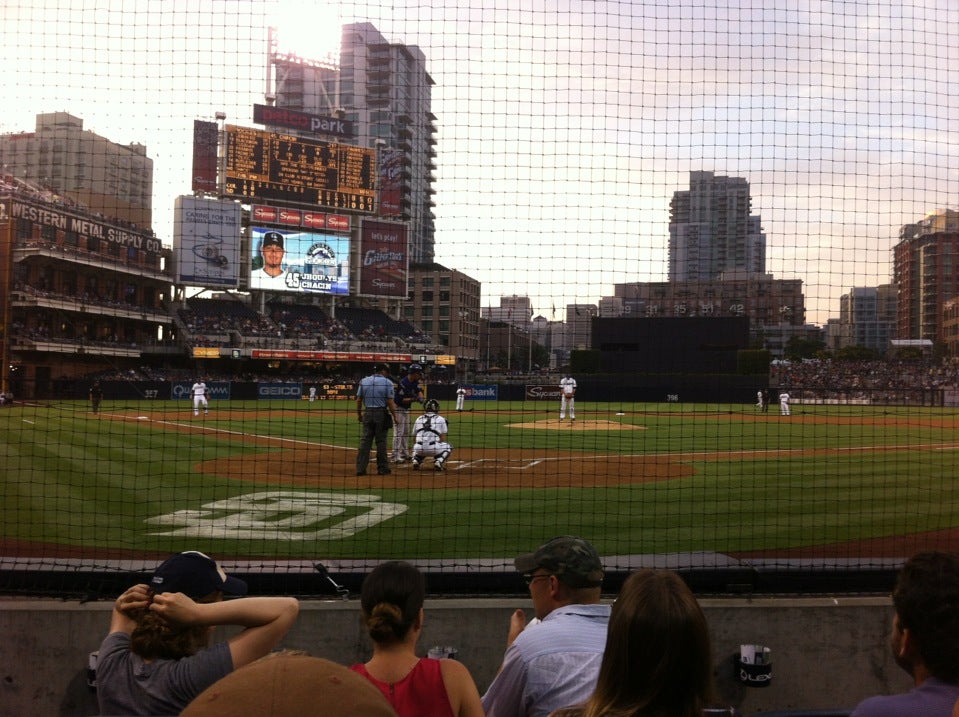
column 157, row 656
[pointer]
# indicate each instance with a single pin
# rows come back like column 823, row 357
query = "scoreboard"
column 282, row 167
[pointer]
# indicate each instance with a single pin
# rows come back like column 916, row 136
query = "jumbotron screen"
column 282, row 167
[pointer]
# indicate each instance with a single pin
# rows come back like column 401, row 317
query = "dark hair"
column 392, row 597
column 926, row 597
column 658, row 654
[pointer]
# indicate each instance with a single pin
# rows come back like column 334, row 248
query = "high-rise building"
column 386, row 92
column 114, row 180
column 926, row 274
column 711, row 230
column 867, row 318
column 383, row 89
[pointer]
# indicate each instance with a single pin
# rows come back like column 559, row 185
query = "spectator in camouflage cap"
column 554, row 661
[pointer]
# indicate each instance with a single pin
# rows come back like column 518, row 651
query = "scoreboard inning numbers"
column 269, row 165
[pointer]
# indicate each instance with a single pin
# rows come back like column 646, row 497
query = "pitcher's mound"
column 554, row 424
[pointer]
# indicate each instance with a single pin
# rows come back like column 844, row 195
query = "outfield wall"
column 826, row 652
column 616, row 389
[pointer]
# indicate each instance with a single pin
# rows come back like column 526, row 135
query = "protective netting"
column 733, row 225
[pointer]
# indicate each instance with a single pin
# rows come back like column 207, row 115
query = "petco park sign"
column 302, row 121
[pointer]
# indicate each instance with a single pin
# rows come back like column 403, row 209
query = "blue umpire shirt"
column 375, row 390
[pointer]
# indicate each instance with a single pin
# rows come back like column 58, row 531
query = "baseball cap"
column 415, row 367
column 380, row 367
column 291, row 686
column 272, row 239
column 571, row 559
column 195, row 575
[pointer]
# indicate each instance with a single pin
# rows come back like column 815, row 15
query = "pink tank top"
column 420, row 694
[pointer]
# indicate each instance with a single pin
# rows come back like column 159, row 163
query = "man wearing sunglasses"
column 554, row 661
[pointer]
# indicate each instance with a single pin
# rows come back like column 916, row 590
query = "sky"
column 563, row 127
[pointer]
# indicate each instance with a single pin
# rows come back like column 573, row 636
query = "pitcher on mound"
column 567, row 387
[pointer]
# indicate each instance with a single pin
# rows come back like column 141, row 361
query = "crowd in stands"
column 875, row 380
column 211, row 322
column 85, row 298
column 649, row 654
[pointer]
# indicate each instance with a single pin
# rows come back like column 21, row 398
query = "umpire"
column 376, row 410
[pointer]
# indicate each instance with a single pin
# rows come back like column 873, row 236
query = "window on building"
column 444, row 281
column 444, row 296
column 427, row 296
column 427, row 282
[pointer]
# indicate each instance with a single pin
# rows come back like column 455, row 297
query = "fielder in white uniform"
column 312, row 394
column 429, row 437
column 784, row 404
column 567, row 387
column 460, row 398
column 199, row 392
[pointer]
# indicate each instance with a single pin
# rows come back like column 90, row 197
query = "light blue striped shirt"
column 550, row 665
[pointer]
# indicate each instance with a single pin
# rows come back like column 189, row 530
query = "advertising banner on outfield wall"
column 299, row 261
column 216, row 390
column 542, row 393
column 206, row 242
column 269, row 391
column 482, row 393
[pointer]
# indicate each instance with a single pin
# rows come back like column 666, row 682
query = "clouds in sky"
column 565, row 127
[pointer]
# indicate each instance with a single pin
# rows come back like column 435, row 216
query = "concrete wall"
column 826, row 652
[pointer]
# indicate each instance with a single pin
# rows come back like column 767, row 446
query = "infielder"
column 199, row 392
column 430, row 431
column 567, row 387
column 460, row 398
column 784, row 404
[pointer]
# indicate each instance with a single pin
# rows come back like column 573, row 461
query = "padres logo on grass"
column 280, row 515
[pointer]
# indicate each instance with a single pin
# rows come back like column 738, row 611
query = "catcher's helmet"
column 431, row 406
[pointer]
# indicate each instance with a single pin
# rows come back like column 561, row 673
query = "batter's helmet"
column 431, row 406
column 415, row 367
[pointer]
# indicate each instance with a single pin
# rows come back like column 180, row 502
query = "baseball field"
column 269, row 482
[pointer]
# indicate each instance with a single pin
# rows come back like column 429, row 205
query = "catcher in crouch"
column 429, row 437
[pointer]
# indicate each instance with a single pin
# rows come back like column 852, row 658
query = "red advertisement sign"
column 384, row 258
column 392, row 171
column 290, row 217
column 339, row 222
column 265, row 214
column 205, row 137
column 314, row 220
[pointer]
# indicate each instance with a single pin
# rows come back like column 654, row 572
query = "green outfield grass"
column 759, row 481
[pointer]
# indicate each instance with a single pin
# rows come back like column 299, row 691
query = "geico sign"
column 279, row 390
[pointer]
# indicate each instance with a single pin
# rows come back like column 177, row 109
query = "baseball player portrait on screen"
column 567, row 399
